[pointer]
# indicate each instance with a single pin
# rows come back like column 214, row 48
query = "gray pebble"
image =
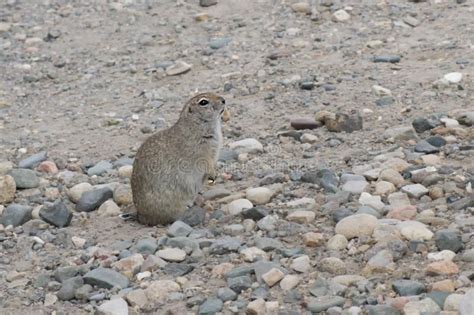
column 91, row 200
column 25, row 178
column 33, row 160
column 16, row 214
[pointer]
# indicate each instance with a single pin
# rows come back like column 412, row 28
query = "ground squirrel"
column 172, row 165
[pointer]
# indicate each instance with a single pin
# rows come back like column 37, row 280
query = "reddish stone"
column 402, row 213
column 444, row 267
column 48, row 167
column 399, row 302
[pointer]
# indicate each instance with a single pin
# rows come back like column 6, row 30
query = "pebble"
column 91, row 200
column 7, row 189
column 402, row 213
column 273, row 276
column 448, row 239
column 312, row 239
column 425, row 147
column 259, row 195
column 77, row 190
column 341, row 16
column 33, row 160
column 392, row 176
column 301, row 7
column 384, row 188
column 125, row 171
column 355, row 186
column 24, row 178
column 172, row 254
column 453, row 77
column 344, row 122
column 414, row 231
column 106, row 278
column 207, row 3
column 387, row 58
column 130, row 265
column 401, row 133
column 237, row 206
column 289, row 282
column 321, row 304
column 425, row 306
column 5, row 167
column 356, row 225
column 301, row 216
column 109, row 209
column 422, row 124
column 48, row 167
column 468, row 255
column 381, row 91
column 248, row 145
column 123, row 195
column 179, row 229
column 301, row 264
column 337, row 242
column 177, row 68
column 16, row 214
column 116, row 306
column 69, row 287
column 137, row 298
column 56, row 214
column 444, row 267
column 405, row 287
column 452, row 302
column 218, row 43
column 100, row 168
column 375, row 202
column 251, row 254
column 333, row 265
column 239, row 283
column 415, row 190
column 442, row 255
column 256, row 307
column 466, row 304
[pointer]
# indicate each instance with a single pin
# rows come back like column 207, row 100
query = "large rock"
column 56, row 214
column 7, row 189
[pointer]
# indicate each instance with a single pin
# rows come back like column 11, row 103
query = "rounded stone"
column 357, row 225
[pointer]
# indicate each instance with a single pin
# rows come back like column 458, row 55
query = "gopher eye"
column 203, row 102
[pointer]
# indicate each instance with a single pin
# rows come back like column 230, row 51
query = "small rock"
column 207, row 3
column 355, row 186
column 123, row 195
column 69, row 287
column 125, row 171
column 172, row 254
column 385, row 101
column 357, row 225
column 425, row 306
column 415, row 190
column 116, row 306
column 237, row 206
column 309, row 138
column 256, row 307
column 56, row 214
column 333, row 265
column 375, row 202
column 381, row 91
column 304, row 123
column 15, row 215
column 129, row 266
column 106, row 278
column 137, row 298
column 453, row 302
column 442, row 255
column 392, row 176
column 387, row 58
column 422, row 124
column 414, row 230
column 273, row 276
column 76, row 191
column 217, row 43
column 341, row 16
column 7, row 189
column 312, row 239
column 344, row 122
column 100, row 168
column 259, row 195
column 24, row 178
column 443, row 267
column 425, row 147
column 301, row 216
column 33, row 160
column 337, row 242
column 408, row 287
column 384, row 188
column 109, row 209
column 402, row 213
column 91, row 200
column 179, row 229
column 289, row 282
column 179, row 67
column 453, row 77
column 248, row 145
column 301, row 7
column 401, row 133
column 323, row 303
column 449, row 240
column 251, row 254
column 301, row 264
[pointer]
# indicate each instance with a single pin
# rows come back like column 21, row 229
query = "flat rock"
column 106, row 278
column 405, row 287
column 415, row 190
column 100, row 168
column 116, row 306
column 172, row 254
column 210, row 306
column 321, row 304
column 248, row 145
column 177, row 68
column 33, row 160
column 301, row 216
column 237, row 206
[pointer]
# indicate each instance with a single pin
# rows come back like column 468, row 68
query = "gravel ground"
column 345, row 182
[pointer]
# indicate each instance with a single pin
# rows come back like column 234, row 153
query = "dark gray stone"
column 16, row 215
column 24, row 178
column 63, row 273
column 239, row 271
column 106, row 278
column 424, row 147
column 207, row 3
column 436, row 141
column 307, row 85
column 69, row 287
column 448, row 239
column 305, row 123
column 91, row 200
column 239, row 284
column 194, row 216
column 267, row 243
column 408, row 287
column 422, row 124
column 211, row 306
column 33, row 160
column 387, row 58
column 340, row 213
column 255, row 213
column 177, row 270
column 56, row 214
